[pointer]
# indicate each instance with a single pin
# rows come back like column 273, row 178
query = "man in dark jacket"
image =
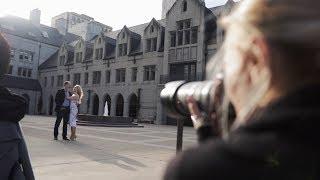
column 63, row 110
column 14, row 158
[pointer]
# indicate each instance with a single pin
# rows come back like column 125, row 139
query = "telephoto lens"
column 175, row 94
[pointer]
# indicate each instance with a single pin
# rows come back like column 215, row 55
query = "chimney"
column 35, row 17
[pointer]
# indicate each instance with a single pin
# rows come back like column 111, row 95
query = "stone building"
column 127, row 68
column 31, row 44
column 79, row 24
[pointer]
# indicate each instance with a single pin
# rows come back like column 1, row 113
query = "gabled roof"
column 20, row 83
column 51, row 62
column 24, row 28
column 155, row 22
column 201, row 2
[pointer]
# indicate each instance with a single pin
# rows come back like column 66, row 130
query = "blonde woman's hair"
column 79, row 91
column 292, row 30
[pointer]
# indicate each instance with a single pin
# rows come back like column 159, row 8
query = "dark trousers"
column 62, row 114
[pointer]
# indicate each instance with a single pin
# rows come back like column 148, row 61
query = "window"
column 151, row 29
column 24, row 72
column 180, row 38
column 151, row 45
column 29, row 72
column 149, row 73
column 62, row 60
column 125, row 48
column 180, row 25
column 78, row 57
column 187, row 24
column 10, row 69
column 99, row 53
column 123, row 35
column 148, row 48
column 122, row 49
column 21, row 57
column 189, row 72
column 19, row 71
column 52, row 81
column 154, row 44
column 45, row 82
column 108, row 76
column 173, row 37
column 60, row 81
column 79, row 46
column 77, row 79
column 187, row 36
column 68, row 77
column 99, row 41
column 184, row 6
column 134, row 74
column 120, row 75
column 96, row 77
column 86, row 78
column 194, row 35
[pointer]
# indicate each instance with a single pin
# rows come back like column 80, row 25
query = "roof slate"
column 24, row 28
column 20, row 83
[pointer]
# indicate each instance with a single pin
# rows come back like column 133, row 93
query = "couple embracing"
column 67, row 101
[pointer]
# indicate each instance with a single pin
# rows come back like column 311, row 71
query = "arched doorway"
column 27, row 98
column 51, row 105
column 40, row 104
column 95, row 105
column 133, row 106
column 107, row 99
column 119, row 107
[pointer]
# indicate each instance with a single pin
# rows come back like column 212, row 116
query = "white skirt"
column 73, row 116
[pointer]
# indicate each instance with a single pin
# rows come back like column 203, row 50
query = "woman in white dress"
column 75, row 100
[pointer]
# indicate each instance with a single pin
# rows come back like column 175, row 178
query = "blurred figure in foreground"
column 271, row 67
column 14, row 158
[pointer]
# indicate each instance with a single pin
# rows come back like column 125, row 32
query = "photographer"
column 14, row 158
column 271, row 66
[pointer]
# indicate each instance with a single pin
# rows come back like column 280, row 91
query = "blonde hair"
column 290, row 27
column 79, row 91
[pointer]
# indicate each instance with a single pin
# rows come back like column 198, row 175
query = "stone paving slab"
column 101, row 152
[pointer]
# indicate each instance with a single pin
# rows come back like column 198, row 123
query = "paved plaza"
column 100, row 152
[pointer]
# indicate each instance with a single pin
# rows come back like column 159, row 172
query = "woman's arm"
column 73, row 97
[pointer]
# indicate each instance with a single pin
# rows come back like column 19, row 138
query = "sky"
column 115, row 13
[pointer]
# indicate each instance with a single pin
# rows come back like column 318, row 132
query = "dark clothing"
column 60, row 97
column 62, row 113
column 280, row 142
column 14, row 158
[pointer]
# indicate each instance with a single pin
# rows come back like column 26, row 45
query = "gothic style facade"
column 127, row 68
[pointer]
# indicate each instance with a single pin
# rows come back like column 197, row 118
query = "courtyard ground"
column 101, row 152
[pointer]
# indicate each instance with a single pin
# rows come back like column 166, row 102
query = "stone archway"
column 51, row 105
column 119, row 105
column 27, row 98
column 107, row 99
column 133, row 106
column 40, row 105
column 95, row 105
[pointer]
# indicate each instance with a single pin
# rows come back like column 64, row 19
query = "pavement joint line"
column 103, row 138
column 186, row 135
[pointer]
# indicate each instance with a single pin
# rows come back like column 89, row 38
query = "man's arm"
column 58, row 98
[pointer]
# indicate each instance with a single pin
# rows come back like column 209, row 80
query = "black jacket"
column 281, row 142
column 60, row 96
column 13, row 150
